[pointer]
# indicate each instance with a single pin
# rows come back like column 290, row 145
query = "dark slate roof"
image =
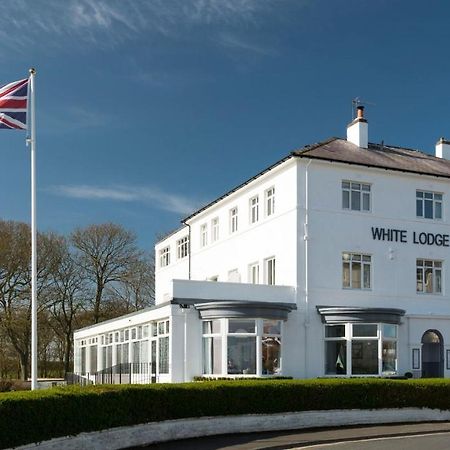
column 377, row 155
column 382, row 156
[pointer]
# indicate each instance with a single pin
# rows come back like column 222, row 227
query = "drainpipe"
column 306, row 239
column 189, row 252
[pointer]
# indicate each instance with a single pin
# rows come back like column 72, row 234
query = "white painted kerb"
column 150, row 433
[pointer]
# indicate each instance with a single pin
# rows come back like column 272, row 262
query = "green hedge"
column 40, row 415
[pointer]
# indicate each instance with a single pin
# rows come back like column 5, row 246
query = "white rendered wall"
column 272, row 236
column 333, row 231
column 178, row 268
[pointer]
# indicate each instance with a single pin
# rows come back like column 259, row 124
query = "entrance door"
column 432, row 354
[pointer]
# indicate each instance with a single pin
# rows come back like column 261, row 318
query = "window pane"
column 346, row 274
column 356, row 275
column 271, row 351
column 438, row 197
column 332, row 331
column 366, row 276
column 364, row 357
column 356, row 200
column 364, row 330
column 241, row 326
column 438, row 210
column 428, row 195
column 136, row 351
column 211, row 327
column 335, row 357
column 389, row 331
column 272, row 326
column 389, row 355
column 163, row 355
column 93, row 351
column 212, row 355
column 346, row 199
column 419, row 208
column 241, row 355
column 438, row 287
column 346, row 185
column 365, row 187
column 366, row 202
column 144, row 352
column 429, row 280
column 428, row 209
column 125, row 354
column 419, row 278
column 419, row 194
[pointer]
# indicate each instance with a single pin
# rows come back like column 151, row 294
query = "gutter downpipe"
column 189, row 252
column 185, row 310
column 306, row 239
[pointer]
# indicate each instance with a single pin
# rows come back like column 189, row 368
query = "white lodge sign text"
column 422, row 238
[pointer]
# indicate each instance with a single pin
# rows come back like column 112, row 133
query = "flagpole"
column 32, row 141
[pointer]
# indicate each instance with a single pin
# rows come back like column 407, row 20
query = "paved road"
column 434, row 441
column 429, row 436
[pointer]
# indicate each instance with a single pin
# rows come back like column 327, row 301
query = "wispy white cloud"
column 73, row 118
column 234, row 41
column 109, row 22
column 156, row 197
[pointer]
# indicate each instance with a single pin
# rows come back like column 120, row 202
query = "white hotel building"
column 334, row 261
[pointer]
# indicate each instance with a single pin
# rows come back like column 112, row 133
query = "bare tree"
column 136, row 290
column 15, row 284
column 106, row 253
column 65, row 298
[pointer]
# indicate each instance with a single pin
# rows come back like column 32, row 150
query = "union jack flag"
column 13, row 105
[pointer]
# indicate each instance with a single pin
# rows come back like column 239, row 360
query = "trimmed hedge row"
column 40, row 415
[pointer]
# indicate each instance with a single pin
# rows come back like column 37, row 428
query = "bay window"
column 241, row 347
column 361, row 349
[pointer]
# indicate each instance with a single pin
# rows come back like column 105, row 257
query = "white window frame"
column 365, row 261
column 163, row 332
column 437, row 203
column 203, row 235
column 358, row 190
column 215, row 229
column 436, row 267
column 270, row 271
column 183, row 247
column 254, row 209
column 164, row 256
column 349, row 338
column 259, row 334
column 253, row 273
column 234, row 220
column 269, row 196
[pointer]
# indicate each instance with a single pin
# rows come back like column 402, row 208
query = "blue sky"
column 148, row 109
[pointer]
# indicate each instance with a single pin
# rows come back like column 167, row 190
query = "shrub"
column 6, row 385
column 40, row 415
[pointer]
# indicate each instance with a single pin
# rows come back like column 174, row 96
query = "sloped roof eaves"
column 377, row 156
column 268, row 169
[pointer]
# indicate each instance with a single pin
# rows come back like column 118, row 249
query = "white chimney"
column 443, row 148
column 358, row 130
